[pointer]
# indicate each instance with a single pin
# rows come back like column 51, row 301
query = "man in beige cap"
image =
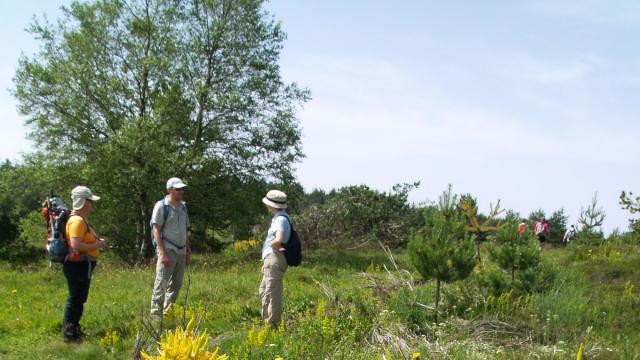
column 170, row 221
column 274, row 263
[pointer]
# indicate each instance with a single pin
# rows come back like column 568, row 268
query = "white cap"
column 81, row 193
column 175, row 183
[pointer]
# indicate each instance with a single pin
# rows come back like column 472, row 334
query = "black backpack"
column 293, row 247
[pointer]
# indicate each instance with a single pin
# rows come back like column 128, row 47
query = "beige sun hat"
column 80, row 194
column 276, row 199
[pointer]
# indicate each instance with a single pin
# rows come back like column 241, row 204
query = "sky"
column 534, row 103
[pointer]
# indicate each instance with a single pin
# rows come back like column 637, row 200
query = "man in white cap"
column 170, row 222
column 274, row 263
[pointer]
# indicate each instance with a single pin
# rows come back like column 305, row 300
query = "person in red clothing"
column 522, row 227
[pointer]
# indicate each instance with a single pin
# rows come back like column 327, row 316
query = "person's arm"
column 79, row 245
column 77, row 231
column 162, row 251
column 277, row 243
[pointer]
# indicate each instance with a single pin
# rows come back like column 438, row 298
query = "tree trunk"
column 437, row 300
column 143, row 230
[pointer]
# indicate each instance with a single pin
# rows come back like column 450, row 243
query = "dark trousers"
column 78, row 276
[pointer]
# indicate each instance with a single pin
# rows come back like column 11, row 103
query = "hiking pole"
column 47, row 202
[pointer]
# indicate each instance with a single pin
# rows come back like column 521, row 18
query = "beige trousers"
column 168, row 282
column 273, row 268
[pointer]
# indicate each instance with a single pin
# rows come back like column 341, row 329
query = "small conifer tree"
column 513, row 252
column 479, row 226
column 443, row 250
column 591, row 218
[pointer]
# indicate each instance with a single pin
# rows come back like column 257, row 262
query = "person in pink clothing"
column 541, row 229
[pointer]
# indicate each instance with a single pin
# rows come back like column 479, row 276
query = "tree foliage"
column 479, row 228
column 354, row 215
column 591, row 218
column 443, row 250
column 515, row 253
column 136, row 92
column 631, row 204
column 558, row 225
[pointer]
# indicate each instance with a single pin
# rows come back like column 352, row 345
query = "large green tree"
column 134, row 92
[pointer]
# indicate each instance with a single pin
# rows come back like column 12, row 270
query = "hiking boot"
column 69, row 333
column 79, row 333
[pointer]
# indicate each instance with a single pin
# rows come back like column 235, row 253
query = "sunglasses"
column 180, row 189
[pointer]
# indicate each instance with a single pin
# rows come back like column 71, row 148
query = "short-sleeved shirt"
column 522, row 228
column 77, row 227
column 278, row 222
column 175, row 228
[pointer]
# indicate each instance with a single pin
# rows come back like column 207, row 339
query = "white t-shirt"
column 278, row 222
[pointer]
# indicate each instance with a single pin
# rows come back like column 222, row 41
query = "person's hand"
column 165, row 259
column 100, row 243
column 282, row 250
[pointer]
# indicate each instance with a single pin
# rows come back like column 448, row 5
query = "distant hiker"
column 569, row 235
column 80, row 262
column 541, row 229
column 274, row 263
column 170, row 222
column 522, row 227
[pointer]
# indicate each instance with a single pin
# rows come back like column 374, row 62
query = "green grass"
column 339, row 305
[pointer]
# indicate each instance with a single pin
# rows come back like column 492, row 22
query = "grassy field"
column 339, row 305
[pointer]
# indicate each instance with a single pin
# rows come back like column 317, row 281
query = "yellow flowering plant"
column 185, row 344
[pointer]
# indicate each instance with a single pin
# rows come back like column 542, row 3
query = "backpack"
column 56, row 214
column 293, row 247
column 540, row 228
column 166, row 208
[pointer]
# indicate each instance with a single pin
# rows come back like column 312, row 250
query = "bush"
column 357, row 214
column 494, row 283
column 630, row 237
column 33, row 229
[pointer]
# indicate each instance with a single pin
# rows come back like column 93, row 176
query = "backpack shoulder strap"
column 166, row 208
column 87, row 226
column 288, row 219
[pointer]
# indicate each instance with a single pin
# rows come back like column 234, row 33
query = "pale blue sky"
column 531, row 102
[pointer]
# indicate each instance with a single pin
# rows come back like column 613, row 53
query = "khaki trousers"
column 168, row 282
column 274, row 267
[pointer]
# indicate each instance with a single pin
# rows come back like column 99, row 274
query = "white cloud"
column 598, row 12
column 555, row 72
